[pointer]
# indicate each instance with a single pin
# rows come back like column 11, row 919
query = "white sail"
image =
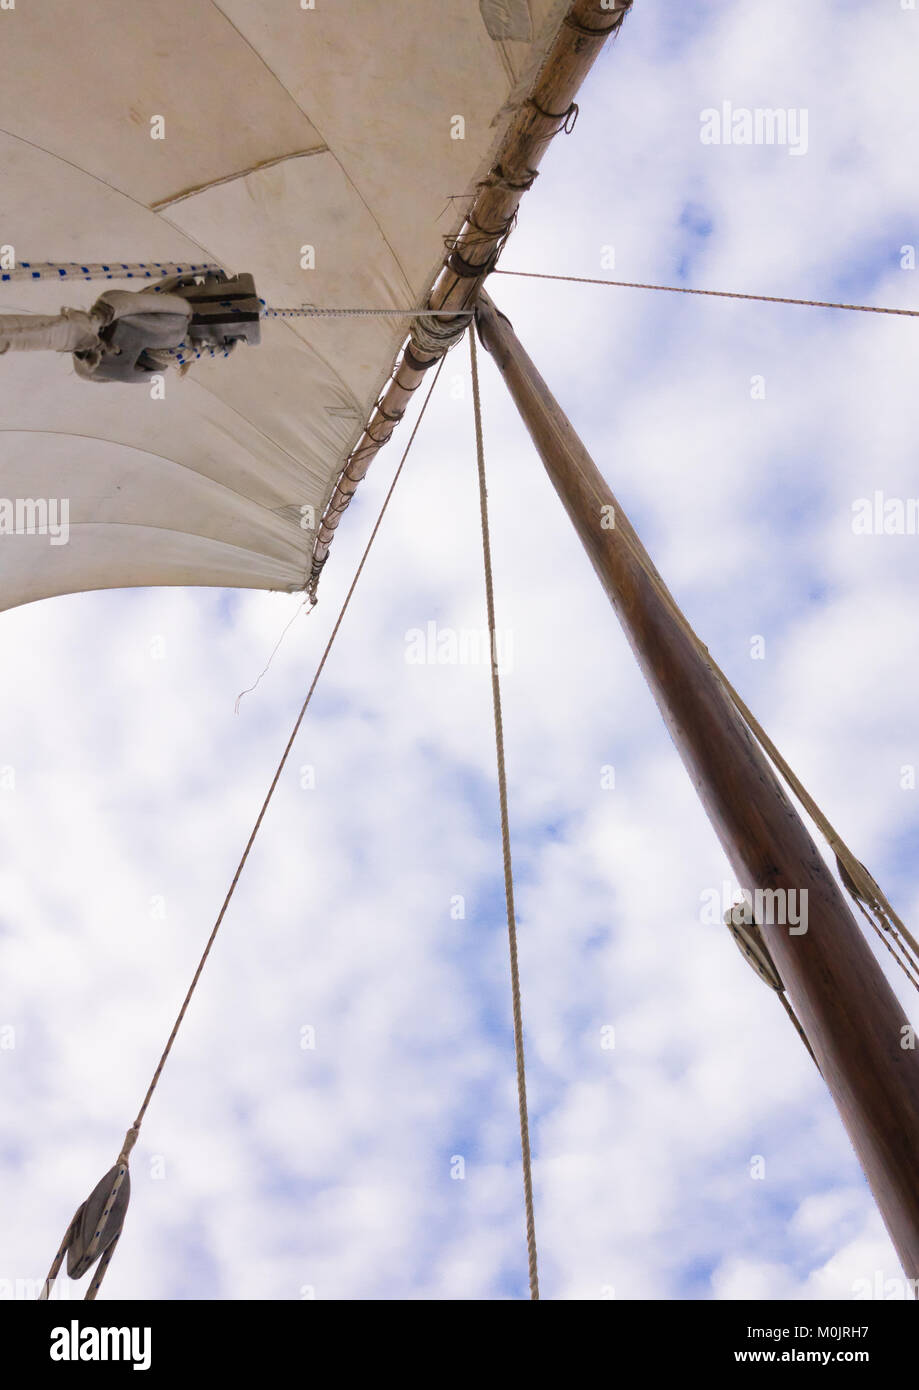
column 348, row 129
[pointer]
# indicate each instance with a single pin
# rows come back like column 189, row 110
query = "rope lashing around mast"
column 716, row 294
column 505, row 838
column 105, row 1208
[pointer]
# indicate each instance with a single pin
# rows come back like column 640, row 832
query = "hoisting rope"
column 97, row 1212
column 158, row 270
column 717, row 294
column 185, row 352
column 97, row 270
column 315, row 311
column 152, row 270
column 505, row 838
column 187, row 313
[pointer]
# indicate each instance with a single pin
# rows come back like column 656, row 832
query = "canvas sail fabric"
column 284, row 128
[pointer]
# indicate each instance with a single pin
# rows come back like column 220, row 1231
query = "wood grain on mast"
column 852, row 1019
column 580, row 39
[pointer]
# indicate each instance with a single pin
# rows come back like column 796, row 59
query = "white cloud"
column 329, row 1169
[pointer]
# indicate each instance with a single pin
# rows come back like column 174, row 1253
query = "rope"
column 311, row 311
column 58, row 1260
column 719, row 294
column 160, row 270
column 856, row 879
column 858, row 882
column 133, row 1132
column 97, row 270
column 296, row 729
column 100, row 1272
column 267, row 667
column 184, row 355
column 786, row 1005
column 71, row 330
column 505, row 840
column 904, row 964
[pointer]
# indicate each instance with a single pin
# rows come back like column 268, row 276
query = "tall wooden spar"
column 849, row 1012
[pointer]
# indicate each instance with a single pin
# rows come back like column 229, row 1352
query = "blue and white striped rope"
column 160, row 270
column 187, row 352
column 102, row 270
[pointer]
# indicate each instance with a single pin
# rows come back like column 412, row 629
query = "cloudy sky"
column 271, row 1169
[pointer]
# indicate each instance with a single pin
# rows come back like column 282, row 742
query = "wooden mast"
column 849, row 1012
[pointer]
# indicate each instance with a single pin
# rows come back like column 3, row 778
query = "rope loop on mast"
column 567, row 120
column 590, row 33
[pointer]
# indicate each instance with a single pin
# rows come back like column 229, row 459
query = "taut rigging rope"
column 119, row 1173
column 162, row 270
column 505, row 839
column 717, row 294
column 859, row 883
